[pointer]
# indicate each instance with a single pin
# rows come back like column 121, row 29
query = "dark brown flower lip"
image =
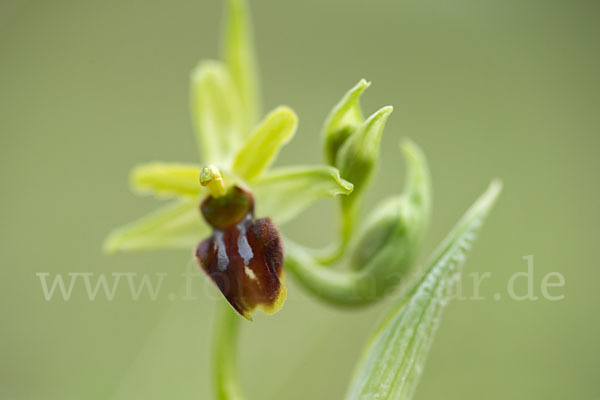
column 243, row 256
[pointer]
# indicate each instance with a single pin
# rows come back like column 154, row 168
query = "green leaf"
column 238, row 53
column 177, row 225
column 262, row 147
column 395, row 355
column 283, row 193
column 217, row 112
column 167, row 179
column 343, row 120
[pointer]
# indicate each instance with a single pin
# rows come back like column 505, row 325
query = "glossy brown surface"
column 228, row 210
column 244, row 258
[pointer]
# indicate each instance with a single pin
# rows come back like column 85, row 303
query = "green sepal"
column 239, row 55
column 166, row 179
column 175, row 226
column 217, row 113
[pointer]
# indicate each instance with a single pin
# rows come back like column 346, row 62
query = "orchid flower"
column 244, row 255
column 227, row 210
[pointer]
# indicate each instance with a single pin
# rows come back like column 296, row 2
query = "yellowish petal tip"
column 277, row 305
column 283, row 109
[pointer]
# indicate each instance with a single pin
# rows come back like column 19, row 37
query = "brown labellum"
column 244, row 256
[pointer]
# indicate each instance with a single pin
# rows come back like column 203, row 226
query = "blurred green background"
column 504, row 89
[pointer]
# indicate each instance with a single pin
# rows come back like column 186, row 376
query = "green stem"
column 334, row 252
column 226, row 380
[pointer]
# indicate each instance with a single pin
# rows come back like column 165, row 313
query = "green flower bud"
column 357, row 157
column 385, row 229
column 394, row 232
column 342, row 121
column 351, row 144
column 389, row 246
column 385, row 250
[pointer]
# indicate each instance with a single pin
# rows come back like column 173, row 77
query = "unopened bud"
column 342, row 121
column 390, row 242
column 358, row 156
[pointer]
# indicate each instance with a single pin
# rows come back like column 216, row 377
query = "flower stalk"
column 225, row 375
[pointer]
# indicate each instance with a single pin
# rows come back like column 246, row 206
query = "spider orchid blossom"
column 215, row 202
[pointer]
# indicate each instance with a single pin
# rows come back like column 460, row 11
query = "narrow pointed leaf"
column 262, row 147
column 217, row 112
column 177, row 225
column 167, row 179
column 395, row 355
column 343, row 119
column 238, row 53
column 283, row 193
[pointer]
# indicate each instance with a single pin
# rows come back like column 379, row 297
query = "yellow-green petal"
column 167, row 179
column 177, row 225
column 262, row 147
column 283, row 193
column 217, row 112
